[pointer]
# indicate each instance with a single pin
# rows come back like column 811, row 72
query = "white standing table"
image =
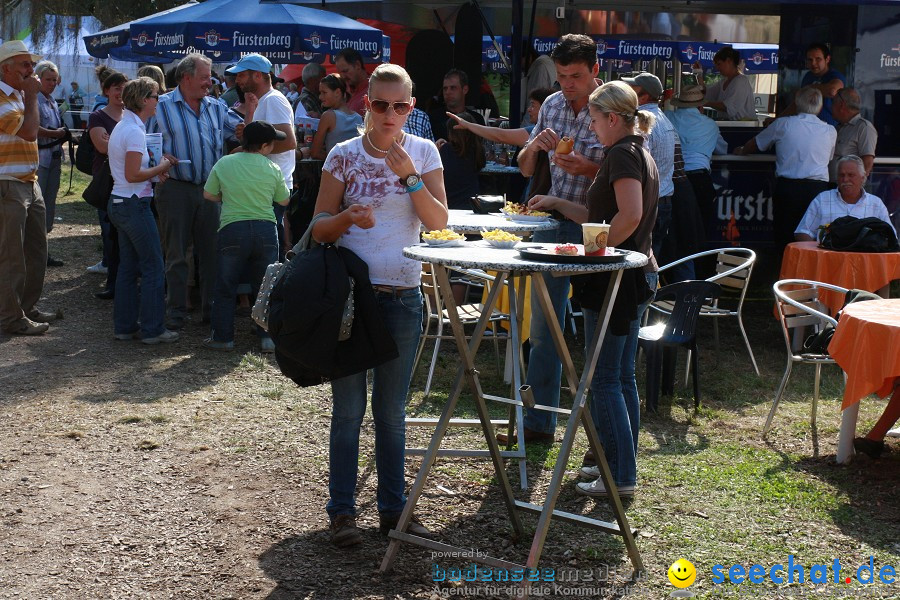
column 509, row 265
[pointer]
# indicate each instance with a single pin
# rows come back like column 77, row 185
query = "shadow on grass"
column 866, row 507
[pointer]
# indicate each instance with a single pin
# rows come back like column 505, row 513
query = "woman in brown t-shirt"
column 624, row 194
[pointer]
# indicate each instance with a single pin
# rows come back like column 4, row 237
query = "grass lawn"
column 712, row 491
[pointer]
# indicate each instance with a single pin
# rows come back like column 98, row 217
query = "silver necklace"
column 377, row 149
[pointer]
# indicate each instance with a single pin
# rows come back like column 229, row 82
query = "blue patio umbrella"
column 115, row 42
column 284, row 32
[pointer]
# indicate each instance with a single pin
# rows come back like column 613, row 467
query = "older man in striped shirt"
column 194, row 127
column 23, row 233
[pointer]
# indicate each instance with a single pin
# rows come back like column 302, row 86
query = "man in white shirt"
column 803, row 146
column 848, row 200
column 262, row 102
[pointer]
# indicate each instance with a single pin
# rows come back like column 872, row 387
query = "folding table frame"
column 579, row 415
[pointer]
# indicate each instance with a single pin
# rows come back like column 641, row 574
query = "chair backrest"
column 689, row 298
column 733, row 269
column 798, row 305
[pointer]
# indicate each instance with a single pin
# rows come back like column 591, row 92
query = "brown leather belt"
column 390, row 289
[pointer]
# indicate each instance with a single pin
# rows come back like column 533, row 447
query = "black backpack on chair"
column 849, row 234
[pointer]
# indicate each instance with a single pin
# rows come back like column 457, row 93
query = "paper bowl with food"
column 519, row 212
column 498, row 238
column 443, row 238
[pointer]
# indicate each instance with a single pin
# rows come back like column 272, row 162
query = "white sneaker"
column 98, row 269
column 166, row 337
column 591, row 473
column 596, row 489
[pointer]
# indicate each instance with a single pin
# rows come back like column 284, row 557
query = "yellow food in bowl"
column 442, row 234
column 498, row 235
column 511, row 208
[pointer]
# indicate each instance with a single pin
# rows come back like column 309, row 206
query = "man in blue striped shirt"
column 194, row 127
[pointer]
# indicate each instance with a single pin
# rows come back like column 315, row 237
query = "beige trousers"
column 23, row 249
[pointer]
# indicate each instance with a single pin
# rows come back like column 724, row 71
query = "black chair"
column 677, row 330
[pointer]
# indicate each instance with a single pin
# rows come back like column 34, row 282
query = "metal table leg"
column 467, row 357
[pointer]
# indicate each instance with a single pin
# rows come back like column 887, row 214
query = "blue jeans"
column 242, row 245
column 140, row 255
column 402, row 313
column 544, row 366
column 615, row 405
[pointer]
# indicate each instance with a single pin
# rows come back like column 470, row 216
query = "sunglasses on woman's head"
column 381, row 106
column 154, row 97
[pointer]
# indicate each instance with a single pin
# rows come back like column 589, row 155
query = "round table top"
column 883, row 312
column 814, row 247
column 480, row 255
column 869, row 271
column 866, row 345
column 493, row 167
column 467, row 221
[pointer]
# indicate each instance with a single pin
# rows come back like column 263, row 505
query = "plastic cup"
column 595, row 236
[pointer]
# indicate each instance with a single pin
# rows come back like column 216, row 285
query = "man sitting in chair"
column 849, row 199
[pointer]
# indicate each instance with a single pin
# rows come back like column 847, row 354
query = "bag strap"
column 307, row 239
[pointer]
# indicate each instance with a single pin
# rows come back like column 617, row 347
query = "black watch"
column 411, row 180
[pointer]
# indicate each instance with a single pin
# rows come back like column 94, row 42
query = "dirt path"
column 174, row 471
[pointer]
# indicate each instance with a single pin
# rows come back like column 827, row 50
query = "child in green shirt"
column 246, row 183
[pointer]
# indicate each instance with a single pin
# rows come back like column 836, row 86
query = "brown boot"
column 530, row 435
column 415, row 527
column 344, row 531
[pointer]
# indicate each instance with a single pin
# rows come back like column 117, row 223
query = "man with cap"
column 700, row 139
column 661, row 143
column 194, row 127
column 230, row 96
column 262, row 102
column 23, row 233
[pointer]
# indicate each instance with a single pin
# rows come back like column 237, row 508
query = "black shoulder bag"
column 100, row 188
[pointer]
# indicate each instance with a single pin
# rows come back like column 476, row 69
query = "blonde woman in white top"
column 380, row 187
column 140, row 254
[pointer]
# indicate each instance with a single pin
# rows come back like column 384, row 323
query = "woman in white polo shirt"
column 137, row 315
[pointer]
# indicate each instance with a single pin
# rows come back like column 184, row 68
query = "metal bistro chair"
column 679, row 329
column 733, row 269
column 435, row 312
column 798, row 309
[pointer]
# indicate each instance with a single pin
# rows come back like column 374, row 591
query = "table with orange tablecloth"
column 866, row 345
column 868, row 271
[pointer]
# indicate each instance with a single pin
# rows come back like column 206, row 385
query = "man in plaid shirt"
column 564, row 113
column 418, row 123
